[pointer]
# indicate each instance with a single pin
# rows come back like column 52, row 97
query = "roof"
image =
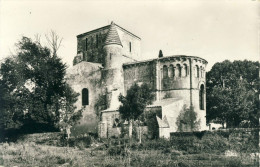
column 93, row 31
column 107, row 27
column 128, row 32
column 84, row 67
column 112, row 36
column 162, row 123
column 163, row 58
column 163, row 102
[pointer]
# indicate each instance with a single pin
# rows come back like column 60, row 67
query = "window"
column 130, row 47
column 85, row 97
column 201, row 98
column 197, row 73
column 96, row 41
column 185, row 70
column 201, row 72
column 171, row 71
column 86, row 45
column 178, row 70
column 165, row 71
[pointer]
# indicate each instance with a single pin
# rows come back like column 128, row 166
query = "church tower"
column 113, row 49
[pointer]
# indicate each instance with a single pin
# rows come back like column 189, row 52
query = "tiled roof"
column 112, row 36
column 162, row 58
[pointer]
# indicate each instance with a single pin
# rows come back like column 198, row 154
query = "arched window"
column 165, row 71
column 201, row 94
column 85, row 97
column 201, row 72
column 178, row 70
column 197, row 71
column 185, row 70
column 171, row 71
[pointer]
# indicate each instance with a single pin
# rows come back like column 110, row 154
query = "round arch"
column 202, row 96
column 85, row 97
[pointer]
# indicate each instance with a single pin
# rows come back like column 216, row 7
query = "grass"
column 211, row 150
column 31, row 154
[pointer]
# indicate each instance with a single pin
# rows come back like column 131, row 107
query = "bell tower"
column 113, row 48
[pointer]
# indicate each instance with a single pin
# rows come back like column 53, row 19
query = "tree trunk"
column 130, row 128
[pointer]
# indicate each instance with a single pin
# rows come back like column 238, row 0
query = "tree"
column 187, row 120
column 134, row 103
column 54, row 41
column 232, row 89
column 34, row 94
column 160, row 54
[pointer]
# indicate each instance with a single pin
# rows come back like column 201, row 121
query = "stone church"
column 107, row 64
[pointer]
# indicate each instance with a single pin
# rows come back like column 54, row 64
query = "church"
column 107, row 64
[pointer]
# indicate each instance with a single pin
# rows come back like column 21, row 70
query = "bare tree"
column 54, row 41
column 37, row 38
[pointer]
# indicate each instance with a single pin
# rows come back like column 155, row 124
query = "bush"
column 159, row 144
column 214, row 143
column 166, row 150
column 80, row 142
column 233, row 162
column 189, row 144
column 116, row 150
column 244, row 141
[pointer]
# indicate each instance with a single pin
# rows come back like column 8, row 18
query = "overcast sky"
column 213, row 30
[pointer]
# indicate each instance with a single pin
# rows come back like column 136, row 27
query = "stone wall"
column 107, row 124
column 186, row 85
column 95, row 41
column 86, row 75
column 127, row 38
column 106, row 71
column 140, row 73
column 93, row 51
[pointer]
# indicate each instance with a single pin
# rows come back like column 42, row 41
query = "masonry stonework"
column 106, row 65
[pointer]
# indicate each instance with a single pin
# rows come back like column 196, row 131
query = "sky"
column 215, row 30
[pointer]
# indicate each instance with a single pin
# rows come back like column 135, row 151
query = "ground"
column 105, row 153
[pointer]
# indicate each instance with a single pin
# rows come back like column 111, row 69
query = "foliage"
column 133, row 105
column 80, row 142
column 232, row 90
column 31, row 154
column 116, row 150
column 160, row 54
column 214, row 143
column 34, row 94
column 137, row 98
column 187, row 119
column 244, row 141
column 101, row 103
column 152, row 124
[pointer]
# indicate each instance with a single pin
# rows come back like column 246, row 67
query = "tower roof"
column 112, row 36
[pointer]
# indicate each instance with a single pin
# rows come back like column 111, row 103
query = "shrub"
column 166, row 150
column 187, row 119
column 244, row 141
column 214, row 143
column 80, row 142
column 116, row 150
column 186, row 143
column 158, row 144
column 233, row 162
